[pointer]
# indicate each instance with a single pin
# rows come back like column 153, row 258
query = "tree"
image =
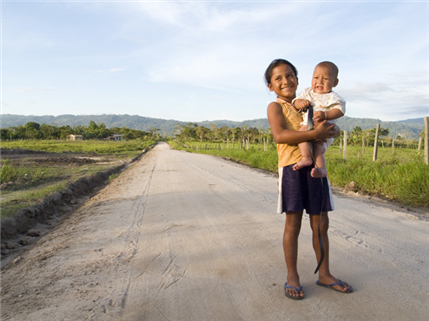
column 49, row 132
column 5, row 134
column 225, row 132
column 383, row 131
column 253, row 134
column 213, row 131
column 355, row 137
column 32, row 130
column 65, row 131
column 103, row 131
column 202, row 132
column 130, row 134
column 187, row 132
column 19, row 132
column 243, row 135
column 78, row 130
column 153, row 131
column 32, row 125
column 95, row 131
column 368, row 135
column 236, row 132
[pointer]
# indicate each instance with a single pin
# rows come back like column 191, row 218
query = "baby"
column 327, row 105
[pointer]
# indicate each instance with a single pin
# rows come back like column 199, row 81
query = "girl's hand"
column 325, row 130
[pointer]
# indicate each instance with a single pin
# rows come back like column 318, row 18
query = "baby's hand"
column 319, row 116
column 301, row 103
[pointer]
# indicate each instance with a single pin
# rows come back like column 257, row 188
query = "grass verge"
column 401, row 176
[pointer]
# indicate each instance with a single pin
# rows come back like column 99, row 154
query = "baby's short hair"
column 331, row 66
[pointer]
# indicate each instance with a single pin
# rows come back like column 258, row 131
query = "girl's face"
column 284, row 82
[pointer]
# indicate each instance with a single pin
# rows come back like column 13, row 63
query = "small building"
column 115, row 137
column 75, row 137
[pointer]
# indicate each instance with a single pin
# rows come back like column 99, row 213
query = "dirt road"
column 182, row 236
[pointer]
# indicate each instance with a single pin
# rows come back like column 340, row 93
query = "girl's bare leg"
column 290, row 248
column 325, row 275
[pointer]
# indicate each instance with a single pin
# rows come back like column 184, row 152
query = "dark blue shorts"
column 299, row 191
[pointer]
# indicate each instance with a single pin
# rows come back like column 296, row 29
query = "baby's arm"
column 334, row 113
column 301, row 103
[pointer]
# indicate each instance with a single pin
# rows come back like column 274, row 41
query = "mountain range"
column 409, row 129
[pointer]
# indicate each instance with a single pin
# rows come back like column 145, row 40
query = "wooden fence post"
column 393, row 146
column 345, row 145
column 426, row 119
column 363, row 145
column 376, row 143
column 420, row 145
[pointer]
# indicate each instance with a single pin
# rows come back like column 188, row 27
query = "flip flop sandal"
column 293, row 297
column 331, row 286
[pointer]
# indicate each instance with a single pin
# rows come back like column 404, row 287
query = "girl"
column 297, row 189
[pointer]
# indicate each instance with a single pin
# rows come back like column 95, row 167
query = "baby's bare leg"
column 305, row 153
column 319, row 154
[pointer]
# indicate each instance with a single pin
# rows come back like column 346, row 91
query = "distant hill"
column 410, row 128
column 131, row 121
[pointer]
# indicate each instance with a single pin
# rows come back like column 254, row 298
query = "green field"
column 126, row 148
column 31, row 177
column 401, row 176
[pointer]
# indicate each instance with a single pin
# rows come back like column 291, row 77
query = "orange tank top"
column 289, row 153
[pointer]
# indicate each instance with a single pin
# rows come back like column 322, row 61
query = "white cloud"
column 184, row 48
column 208, row 19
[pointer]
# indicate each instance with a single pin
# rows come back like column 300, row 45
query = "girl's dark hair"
column 274, row 64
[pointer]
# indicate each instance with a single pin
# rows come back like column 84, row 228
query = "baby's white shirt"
column 323, row 102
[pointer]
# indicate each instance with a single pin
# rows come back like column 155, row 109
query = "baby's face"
column 323, row 80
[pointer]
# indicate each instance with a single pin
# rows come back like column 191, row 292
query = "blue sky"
column 205, row 60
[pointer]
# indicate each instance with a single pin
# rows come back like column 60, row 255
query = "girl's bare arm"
column 286, row 136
